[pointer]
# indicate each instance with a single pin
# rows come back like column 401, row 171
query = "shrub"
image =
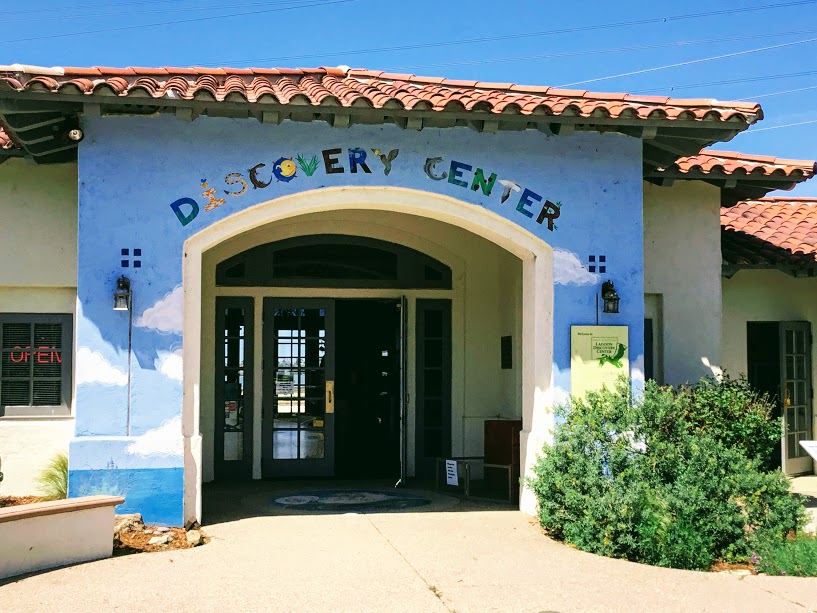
column 53, row 479
column 796, row 557
column 643, row 481
column 734, row 414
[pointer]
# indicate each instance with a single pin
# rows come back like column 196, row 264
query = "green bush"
column 735, row 415
column 797, row 557
column 53, row 479
column 643, row 481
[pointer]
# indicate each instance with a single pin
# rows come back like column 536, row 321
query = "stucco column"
column 537, row 351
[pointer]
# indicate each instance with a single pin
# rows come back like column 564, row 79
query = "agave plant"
column 52, row 481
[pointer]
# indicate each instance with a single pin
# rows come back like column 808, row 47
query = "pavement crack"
column 781, row 597
column 431, row 587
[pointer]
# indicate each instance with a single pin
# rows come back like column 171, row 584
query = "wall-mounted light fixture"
column 123, row 301
column 610, row 297
column 122, row 294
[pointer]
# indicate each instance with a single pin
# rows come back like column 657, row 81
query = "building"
column 224, row 274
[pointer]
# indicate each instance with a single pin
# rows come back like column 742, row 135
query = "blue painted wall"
column 147, row 184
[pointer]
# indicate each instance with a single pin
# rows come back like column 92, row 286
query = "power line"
column 120, row 13
column 727, row 82
column 785, row 125
column 788, row 91
column 177, row 21
column 690, row 62
column 583, row 52
column 469, row 41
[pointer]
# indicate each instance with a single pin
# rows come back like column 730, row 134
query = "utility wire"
column 788, row 91
column 469, row 41
column 177, row 21
column 785, row 125
column 583, row 52
column 727, row 82
column 120, row 13
column 690, row 62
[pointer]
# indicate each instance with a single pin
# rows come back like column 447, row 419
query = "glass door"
column 795, row 352
column 299, row 372
column 234, row 370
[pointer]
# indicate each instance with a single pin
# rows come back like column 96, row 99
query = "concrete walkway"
column 449, row 557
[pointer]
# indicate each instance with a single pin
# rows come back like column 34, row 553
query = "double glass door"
column 298, row 400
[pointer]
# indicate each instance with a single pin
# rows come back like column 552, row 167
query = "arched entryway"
column 306, row 214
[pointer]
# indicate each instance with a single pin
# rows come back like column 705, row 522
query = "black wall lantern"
column 610, row 297
column 122, row 294
column 123, row 301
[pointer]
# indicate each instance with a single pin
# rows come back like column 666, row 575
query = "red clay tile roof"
column 365, row 88
column 770, row 233
column 733, row 163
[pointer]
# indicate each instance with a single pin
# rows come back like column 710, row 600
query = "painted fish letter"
column 183, row 218
column 429, row 169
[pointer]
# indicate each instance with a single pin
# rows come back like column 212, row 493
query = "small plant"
column 308, row 166
column 53, row 479
column 796, row 557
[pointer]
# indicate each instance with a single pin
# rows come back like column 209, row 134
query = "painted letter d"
column 177, row 208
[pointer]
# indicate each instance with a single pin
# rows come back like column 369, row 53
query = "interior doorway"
column 367, row 386
column 332, row 388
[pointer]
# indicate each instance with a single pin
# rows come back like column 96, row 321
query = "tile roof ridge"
column 363, row 73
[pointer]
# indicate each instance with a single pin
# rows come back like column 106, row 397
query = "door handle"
column 330, row 396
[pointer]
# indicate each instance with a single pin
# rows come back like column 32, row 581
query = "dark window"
column 35, row 364
column 331, row 260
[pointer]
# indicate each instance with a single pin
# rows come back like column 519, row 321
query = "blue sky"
column 426, row 37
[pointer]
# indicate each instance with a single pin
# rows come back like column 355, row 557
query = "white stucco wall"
column 38, row 209
column 762, row 295
column 486, row 304
column 682, row 265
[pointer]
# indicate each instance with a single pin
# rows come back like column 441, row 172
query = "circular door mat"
column 350, row 501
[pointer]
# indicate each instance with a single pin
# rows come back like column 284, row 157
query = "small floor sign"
column 451, row 473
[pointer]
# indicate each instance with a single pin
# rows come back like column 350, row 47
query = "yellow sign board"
column 599, row 355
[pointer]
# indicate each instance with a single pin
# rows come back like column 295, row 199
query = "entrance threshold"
column 225, row 502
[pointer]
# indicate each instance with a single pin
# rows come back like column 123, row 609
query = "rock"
column 160, row 540
column 161, row 530
column 117, row 542
column 128, row 523
column 194, row 538
column 192, row 525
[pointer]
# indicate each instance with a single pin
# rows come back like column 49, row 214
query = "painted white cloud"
column 166, row 440
column 92, row 367
column 165, row 315
column 568, row 270
column 171, row 365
